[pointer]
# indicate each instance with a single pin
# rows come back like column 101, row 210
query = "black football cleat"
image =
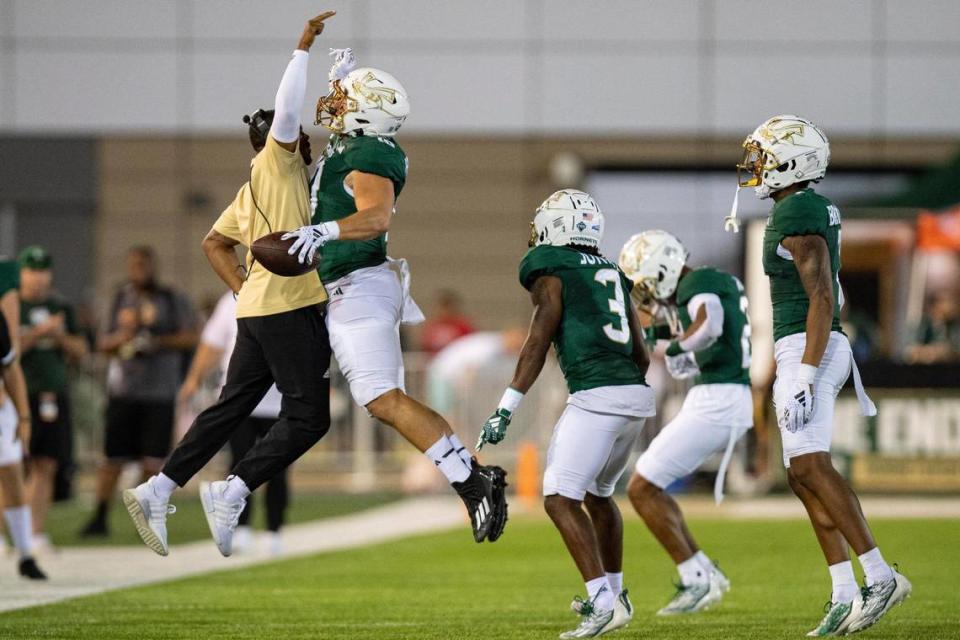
column 477, row 495
column 498, row 477
column 30, row 570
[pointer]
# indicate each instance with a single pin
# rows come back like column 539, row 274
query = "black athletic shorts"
column 51, row 433
column 138, row 429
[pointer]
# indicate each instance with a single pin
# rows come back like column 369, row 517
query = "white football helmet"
column 366, row 100
column 567, row 217
column 783, row 151
column 654, row 261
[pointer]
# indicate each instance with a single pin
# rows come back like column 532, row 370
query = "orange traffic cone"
column 528, row 474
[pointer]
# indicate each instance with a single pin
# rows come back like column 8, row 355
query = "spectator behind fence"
column 937, row 338
column 453, row 370
column 150, row 330
column 445, row 324
column 48, row 338
column 216, row 346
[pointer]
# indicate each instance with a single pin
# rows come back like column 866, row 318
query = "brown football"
column 271, row 252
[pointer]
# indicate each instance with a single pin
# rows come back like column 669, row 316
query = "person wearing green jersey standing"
column 712, row 346
column 801, row 257
column 353, row 195
column 48, row 338
column 581, row 305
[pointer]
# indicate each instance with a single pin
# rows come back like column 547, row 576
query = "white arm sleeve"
column 711, row 329
column 290, row 96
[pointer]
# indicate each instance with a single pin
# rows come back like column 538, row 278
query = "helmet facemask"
column 333, row 107
column 750, row 169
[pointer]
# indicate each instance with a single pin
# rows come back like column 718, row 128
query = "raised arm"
column 812, row 260
column 293, row 87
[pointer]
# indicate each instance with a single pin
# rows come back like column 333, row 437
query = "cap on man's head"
column 35, row 257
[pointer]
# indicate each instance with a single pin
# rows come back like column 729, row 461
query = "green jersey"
column 803, row 213
column 728, row 359
column 332, row 198
column 44, row 364
column 9, row 276
column 593, row 342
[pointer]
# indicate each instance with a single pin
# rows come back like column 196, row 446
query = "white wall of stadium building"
column 715, row 67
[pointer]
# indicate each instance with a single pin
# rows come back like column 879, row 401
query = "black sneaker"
column 30, row 570
column 477, row 495
column 96, row 528
column 499, row 479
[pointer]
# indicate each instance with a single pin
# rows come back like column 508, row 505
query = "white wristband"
column 511, row 400
column 332, row 229
column 806, row 373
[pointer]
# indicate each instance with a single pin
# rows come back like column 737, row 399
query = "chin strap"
column 731, row 223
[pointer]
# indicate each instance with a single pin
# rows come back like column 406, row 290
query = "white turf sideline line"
column 81, row 571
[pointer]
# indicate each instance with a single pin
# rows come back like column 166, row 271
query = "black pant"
column 291, row 349
column 251, row 430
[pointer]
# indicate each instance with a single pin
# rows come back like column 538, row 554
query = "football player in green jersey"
column 581, row 305
column 712, row 346
column 801, row 256
column 353, row 194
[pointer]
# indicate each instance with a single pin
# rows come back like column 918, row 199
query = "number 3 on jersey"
column 617, row 306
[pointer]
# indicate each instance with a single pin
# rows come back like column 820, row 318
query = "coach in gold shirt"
column 281, row 333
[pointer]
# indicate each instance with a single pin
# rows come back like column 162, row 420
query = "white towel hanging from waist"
column 411, row 313
column 867, row 407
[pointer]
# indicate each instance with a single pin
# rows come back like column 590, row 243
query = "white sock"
column 163, row 486
column 704, row 561
column 20, row 527
column 875, row 568
column 600, row 594
column 444, row 455
column 692, row 572
column 616, row 582
column 844, row 582
column 461, row 450
column 236, row 489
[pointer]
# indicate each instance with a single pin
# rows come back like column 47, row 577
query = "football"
column 271, row 252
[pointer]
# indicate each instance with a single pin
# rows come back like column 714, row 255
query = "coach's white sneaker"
column 223, row 515
column 149, row 512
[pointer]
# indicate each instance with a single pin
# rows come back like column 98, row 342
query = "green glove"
column 495, row 428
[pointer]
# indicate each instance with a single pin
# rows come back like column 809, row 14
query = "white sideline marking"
column 82, row 571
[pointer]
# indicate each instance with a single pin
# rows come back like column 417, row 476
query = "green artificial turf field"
column 66, row 519
column 445, row 586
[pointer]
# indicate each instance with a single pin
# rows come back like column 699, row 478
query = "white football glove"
column 682, row 366
column 311, row 238
column 797, row 406
column 343, row 63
